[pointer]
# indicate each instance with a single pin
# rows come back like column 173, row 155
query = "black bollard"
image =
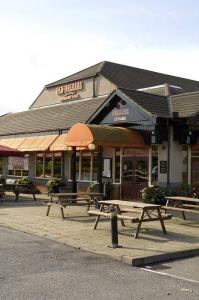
column 114, row 229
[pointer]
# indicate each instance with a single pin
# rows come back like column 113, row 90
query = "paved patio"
column 76, row 230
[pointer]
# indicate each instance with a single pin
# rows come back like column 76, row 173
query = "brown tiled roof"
column 155, row 104
column 50, row 118
column 185, row 104
column 130, row 78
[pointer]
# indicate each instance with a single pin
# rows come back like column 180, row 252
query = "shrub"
column 186, row 190
column 54, row 184
column 153, row 194
column 24, row 180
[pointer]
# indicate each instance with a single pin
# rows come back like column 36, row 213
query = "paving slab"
column 76, row 230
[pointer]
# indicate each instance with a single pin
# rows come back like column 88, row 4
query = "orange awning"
column 12, row 142
column 60, row 143
column 83, row 135
column 37, row 143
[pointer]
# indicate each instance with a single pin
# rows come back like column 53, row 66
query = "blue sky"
column 45, row 40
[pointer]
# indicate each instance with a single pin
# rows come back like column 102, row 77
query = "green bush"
column 54, row 184
column 153, row 194
column 186, row 190
column 24, row 180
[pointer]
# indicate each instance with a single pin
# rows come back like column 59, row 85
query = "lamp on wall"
column 153, row 137
column 189, row 138
column 91, row 147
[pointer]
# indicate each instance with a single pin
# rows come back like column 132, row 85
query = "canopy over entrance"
column 86, row 135
column 7, row 151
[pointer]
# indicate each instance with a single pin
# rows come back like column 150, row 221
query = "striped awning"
column 12, row 142
column 37, row 143
column 60, row 143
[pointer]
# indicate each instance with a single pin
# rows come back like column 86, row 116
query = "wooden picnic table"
column 147, row 213
column 182, row 204
column 62, row 199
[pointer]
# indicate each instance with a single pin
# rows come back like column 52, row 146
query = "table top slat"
column 130, row 204
column 179, row 198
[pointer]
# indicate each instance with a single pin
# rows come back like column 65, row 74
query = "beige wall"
column 103, row 86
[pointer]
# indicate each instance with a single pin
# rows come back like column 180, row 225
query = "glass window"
column 185, row 164
column 11, row 172
column 86, row 166
column 195, row 169
column 18, row 173
column 24, row 172
column 48, row 165
column 141, row 171
column 39, row 165
column 95, row 166
column 1, row 165
column 154, row 170
column 57, row 164
column 117, row 165
column 18, row 166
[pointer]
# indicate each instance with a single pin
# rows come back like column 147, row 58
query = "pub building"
column 108, row 122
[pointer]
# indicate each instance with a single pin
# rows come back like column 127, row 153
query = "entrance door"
column 134, row 176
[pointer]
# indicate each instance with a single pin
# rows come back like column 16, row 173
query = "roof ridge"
column 57, row 81
column 131, row 67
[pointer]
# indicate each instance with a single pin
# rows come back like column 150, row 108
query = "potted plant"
column 54, row 184
column 24, row 180
column 153, row 194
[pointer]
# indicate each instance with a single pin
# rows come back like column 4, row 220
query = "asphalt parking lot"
column 32, row 267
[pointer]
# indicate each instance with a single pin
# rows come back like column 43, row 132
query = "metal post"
column 114, row 229
column 73, row 170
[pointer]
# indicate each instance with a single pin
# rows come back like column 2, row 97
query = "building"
column 139, row 127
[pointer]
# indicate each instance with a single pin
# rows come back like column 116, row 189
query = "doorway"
column 134, row 175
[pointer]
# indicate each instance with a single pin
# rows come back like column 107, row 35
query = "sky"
column 45, row 40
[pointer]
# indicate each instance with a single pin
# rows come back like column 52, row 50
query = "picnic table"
column 182, row 204
column 147, row 213
column 17, row 189
column 63, row 199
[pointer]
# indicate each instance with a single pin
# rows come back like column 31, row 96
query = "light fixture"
column 91, row 147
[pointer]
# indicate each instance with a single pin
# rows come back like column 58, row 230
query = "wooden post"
column 100, row 168
column 73, row 170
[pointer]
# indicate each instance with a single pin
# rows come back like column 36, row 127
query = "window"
column 57, row 164
column 39, row 165
column 1, row 165
column 18, row 166
column 195, row 169
column 154, row 165
column 185, row 164
column 48, row 165
column 86, row 166
column 95, row 166
column 117, row 165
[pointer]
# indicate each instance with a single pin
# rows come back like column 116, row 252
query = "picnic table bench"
column 147, row 213
column 17, row 189
column 63, row 199
column 182, row 204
